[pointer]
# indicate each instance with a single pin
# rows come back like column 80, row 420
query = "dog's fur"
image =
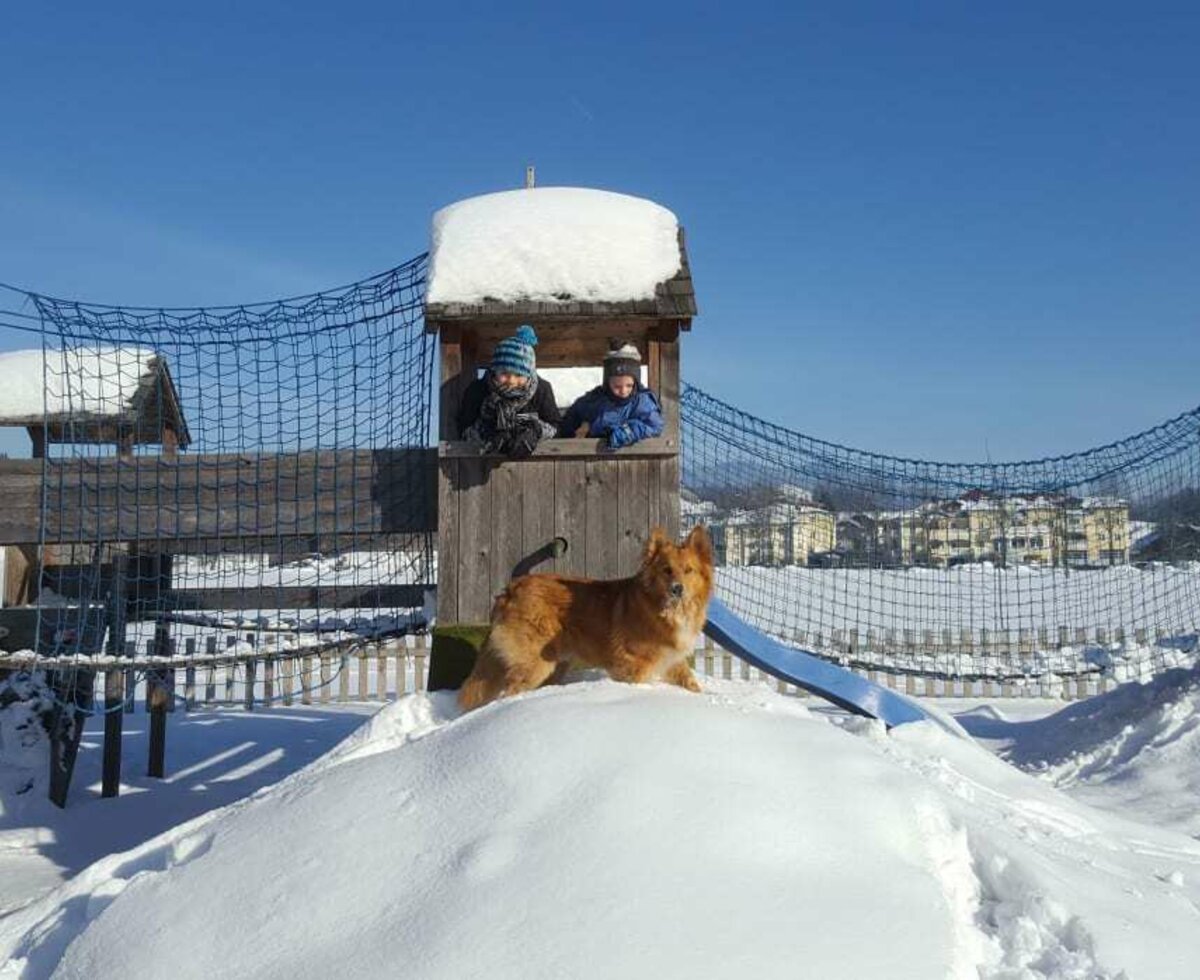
column 638, row 629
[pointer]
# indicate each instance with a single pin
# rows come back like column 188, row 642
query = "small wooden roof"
column 674, row 299
column 558, row 255
column 93, row 395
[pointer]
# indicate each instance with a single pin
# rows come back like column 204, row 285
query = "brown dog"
column 638, row 629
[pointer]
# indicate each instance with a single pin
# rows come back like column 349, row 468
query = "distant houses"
column 789, row 527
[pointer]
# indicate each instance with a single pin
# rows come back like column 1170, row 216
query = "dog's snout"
column 677, row 589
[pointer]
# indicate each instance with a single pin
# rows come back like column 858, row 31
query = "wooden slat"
column 306, row 679
column 569, row 449
column 668, row 390
column 669, row 495
column 633, row 480
column 603, row 506
column 448, row 541
column 210, row 672
column 570, row 515
column 507, row 519
column 326, row 678
column 420, row 658
column 400, row 654
column 189, row 674
column 475, row 547
column 537, row 510
column 299, row 597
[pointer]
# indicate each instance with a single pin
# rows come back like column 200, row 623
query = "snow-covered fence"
column 239, row 671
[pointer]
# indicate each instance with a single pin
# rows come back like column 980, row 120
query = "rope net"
column 221, row 481
column 1072, row 566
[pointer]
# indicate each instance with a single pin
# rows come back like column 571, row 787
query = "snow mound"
column 605, row 830
column 551, row 244
column 1139, row 744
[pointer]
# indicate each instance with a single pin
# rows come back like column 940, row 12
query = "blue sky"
column 960, row 231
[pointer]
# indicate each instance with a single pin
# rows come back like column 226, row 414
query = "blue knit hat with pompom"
column 515, row 354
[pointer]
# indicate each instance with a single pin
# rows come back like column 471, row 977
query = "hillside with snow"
column 603, row 830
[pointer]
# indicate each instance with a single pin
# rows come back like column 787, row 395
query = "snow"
column 1137, row 747
column 798, row 605
column 75, row 381
column 551, row 244
column 599, row 829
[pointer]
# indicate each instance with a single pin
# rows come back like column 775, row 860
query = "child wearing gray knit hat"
column 621, row 410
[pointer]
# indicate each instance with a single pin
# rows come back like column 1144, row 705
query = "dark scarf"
column 501, row 407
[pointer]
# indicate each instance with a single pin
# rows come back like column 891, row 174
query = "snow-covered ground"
column 1021, row 610
column 604, row 830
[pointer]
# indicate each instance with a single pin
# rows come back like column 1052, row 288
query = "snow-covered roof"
column 93, row 381
column 95, row 387
column 552, row 245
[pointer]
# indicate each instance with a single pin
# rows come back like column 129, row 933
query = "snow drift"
column 604, row 830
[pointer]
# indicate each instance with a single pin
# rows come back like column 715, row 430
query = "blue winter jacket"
column 603, row 413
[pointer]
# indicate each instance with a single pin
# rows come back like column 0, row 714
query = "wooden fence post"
column 157, row 695
column 114, row 682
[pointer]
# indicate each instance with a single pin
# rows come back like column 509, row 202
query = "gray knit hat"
column 623, row 361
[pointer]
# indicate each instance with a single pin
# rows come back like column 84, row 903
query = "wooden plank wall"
column 496, row 515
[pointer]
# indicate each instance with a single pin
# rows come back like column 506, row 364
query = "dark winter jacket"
column 542, row 404
column 638, row 416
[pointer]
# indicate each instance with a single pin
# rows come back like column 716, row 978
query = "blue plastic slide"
column 836, row 684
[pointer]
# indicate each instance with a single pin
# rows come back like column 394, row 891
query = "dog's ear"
column 699, row 541
column 658, row 538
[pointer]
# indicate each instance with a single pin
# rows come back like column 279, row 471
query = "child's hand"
column 622, row 435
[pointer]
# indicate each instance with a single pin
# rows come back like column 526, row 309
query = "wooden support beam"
column 73, row 694
column 283, row 496
column 114, row 681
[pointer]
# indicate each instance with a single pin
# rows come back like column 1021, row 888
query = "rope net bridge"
column 212, row 483
column 1076, row 567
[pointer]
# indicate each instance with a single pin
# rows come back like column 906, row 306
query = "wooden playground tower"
column 573, row 507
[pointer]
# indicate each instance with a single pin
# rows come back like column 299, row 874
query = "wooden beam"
column 569, row 449
column 292, row 495
column 298, row 597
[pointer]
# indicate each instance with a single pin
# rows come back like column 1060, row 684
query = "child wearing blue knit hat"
column 510, row 409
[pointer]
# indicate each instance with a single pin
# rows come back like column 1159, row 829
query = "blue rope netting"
column 1078, row 565
column 243, row 454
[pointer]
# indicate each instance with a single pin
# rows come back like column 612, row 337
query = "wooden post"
column 189, row 675
column 381, row 674
column 210, row 671
column 306, row 676
column 230, row 643
column 363, row 672
column 74, row 698
column 158, row 695
column 419, row 662
column 251, row 675
column 114, row 681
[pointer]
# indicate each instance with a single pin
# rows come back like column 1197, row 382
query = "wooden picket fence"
column 383, row 671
